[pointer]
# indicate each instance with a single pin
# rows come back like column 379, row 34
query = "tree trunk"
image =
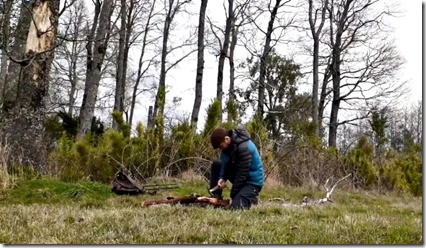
column 73, row 77
column 120, row 79
column 23, row 125
column 17, row 52
column 129, row 30
column 160, row 99
column 200, row 66
column 266, row 50
column 335, row 106
column 321, row 104
column 316, row 37
column 5, row 23
column 232, row 96
column 140, row 72
column 72, row 74
column 95, row 59
column 335, row 73
column 222, row 56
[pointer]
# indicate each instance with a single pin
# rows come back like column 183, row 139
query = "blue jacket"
column 241, row 162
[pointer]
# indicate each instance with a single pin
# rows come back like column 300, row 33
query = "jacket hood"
column 239, row 136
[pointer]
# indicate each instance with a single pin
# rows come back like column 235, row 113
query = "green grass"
column 47, row 211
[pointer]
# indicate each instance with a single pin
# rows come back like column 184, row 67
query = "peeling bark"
column 23, row 125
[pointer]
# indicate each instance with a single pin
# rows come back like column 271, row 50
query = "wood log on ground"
column 188, row 200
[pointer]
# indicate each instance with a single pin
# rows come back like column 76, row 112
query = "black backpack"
column 125, row 185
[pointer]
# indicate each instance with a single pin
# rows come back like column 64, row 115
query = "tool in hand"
column 214, row 189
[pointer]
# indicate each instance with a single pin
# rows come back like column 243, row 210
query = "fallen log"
column 188, row 200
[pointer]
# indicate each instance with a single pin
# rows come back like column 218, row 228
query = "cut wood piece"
column 188, row 200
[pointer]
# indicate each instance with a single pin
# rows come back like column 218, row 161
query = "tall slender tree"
column 120, row 78
column 223, row 54
column 316, row 33
column 200, row 65
column 172, row 8
column 142, row 57
column 96, row 50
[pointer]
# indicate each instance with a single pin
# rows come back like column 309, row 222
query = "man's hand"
column 221, row 183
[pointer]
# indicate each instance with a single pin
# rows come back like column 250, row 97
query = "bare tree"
column 120, row 78
column 142, row 68
column 69, row 56
column 22, row 125
column 128, row 36
column 226, row 39
column 316, row 32
column 368, row 76
column 239, row 20
column 269, row 42
column 223, row 54
column 200, row 65
column 96, row 50
column 172, row 8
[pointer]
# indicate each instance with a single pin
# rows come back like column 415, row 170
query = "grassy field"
column 47, row 211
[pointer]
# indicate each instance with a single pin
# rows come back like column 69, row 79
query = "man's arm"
column 224, row 161
column 243, row 163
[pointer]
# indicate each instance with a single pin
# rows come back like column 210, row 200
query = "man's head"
column 220, row 139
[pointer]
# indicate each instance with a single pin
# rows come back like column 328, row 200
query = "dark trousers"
column 244, row 199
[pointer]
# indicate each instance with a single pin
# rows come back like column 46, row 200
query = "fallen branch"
column 329, row 192
column 327, row 198
column 188, row 200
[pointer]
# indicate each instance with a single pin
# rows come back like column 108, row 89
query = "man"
column 240, row 163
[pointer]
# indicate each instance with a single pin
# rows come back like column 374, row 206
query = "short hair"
column 218, row 136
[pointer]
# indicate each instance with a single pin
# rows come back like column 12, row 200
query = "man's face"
column 225, row 143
